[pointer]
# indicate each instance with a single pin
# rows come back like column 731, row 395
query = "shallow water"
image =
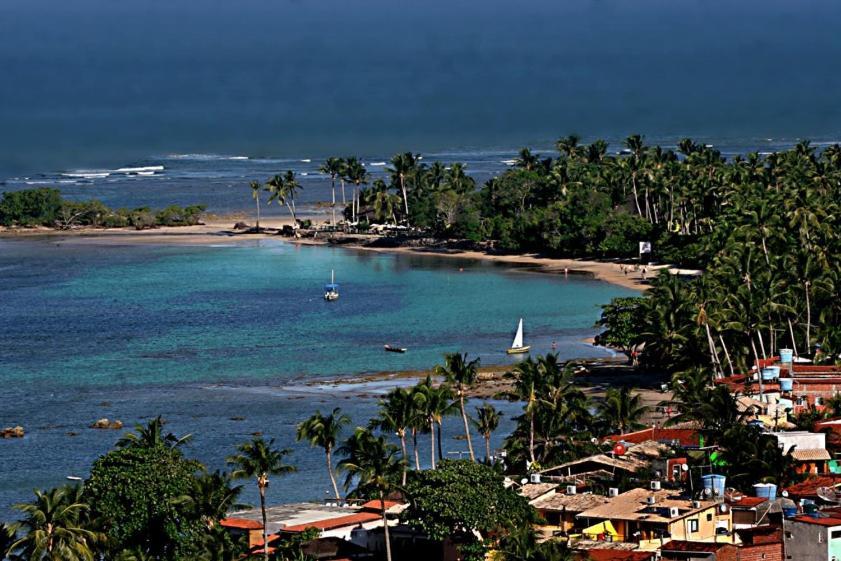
column 204, row 334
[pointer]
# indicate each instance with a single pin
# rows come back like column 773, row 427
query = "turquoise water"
column 222, row 342
column 151, row 315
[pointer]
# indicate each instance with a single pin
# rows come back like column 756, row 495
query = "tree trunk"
column 385, row 529
column 636, row 195
column 344, row 201
column 808, row 321
column 440, row 450
column 258, row 213
column 713, row 353
column 333, row 189
column 432, row 441
column 793, row 341
column 415, row 448
column 405, row 457
column 488, row 448
column 405, row 198
column 531, row 436
column 263, row 512
column 292, row 212
column 727, row 354
column 466, row 427
column 332, row 475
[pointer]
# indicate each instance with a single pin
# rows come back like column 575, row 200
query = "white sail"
column 518, row 338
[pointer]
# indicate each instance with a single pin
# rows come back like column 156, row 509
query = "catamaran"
column 331, row 291
column 517, row 346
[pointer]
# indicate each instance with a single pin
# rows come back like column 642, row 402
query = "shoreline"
column 219, row 230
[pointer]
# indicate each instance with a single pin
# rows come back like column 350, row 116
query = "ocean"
column 203, row 334
column 101, row 85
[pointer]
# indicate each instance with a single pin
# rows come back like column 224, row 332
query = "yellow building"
column 653, row 517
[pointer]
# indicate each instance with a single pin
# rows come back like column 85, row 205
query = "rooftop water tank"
column 786, row 384
column 714, row 483
column 766, row 491
column 786, row 356
column 770, row 373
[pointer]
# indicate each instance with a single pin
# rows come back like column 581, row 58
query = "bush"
column 31, row 207
column 134, row 491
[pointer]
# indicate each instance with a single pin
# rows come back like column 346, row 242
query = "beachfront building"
column 815, row 537
column 650, row 518
column 348, row 523
column 608, row 467
column 560, row 510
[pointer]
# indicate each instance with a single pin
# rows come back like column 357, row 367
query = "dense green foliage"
column 765, row 230
column 138, row 487
column 46, row 207
column 462, row 497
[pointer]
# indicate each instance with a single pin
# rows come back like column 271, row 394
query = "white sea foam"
column 87, row 174
column 377, row 164
column 508, row 162
column 306, row 160
column 238, row 158
column 140, row 169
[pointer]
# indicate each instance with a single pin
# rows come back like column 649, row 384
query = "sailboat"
column 331, row 291
column 517, row 346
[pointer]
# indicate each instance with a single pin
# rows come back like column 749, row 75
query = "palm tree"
column 323, row 431
column 152, row 435
column 356, row 173
column 527, row 385
column 435, row 403
column 486, row 422
column 333, row 167
column 53, row 527
column 7, row 538
column 402, row 166
column 457, row 371
column 398, row 413
column 375, row 465
column 282, row 188
column 212, row 496
column 256, row 187
column 259, row 459
column 622, row 410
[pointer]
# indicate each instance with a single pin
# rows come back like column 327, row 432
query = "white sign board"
column 645, row 247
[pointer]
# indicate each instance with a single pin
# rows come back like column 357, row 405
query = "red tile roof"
column 829, row 521
column 809, row 487
column 241, row 524
column 338, row 522
column 748, row 502
column 375, row 505
column 680, row 545
column 616, row 555
column 686, row 437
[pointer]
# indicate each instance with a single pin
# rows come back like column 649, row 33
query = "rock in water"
column 101, row 424
column 12, row 432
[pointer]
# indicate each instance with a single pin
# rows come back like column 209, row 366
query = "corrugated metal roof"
column 813, row 455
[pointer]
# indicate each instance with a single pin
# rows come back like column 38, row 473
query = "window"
column 836, row 534
column 709, row 517
column 693, row 525
column 788, row 535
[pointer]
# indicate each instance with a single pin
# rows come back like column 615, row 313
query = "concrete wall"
column 807, row 541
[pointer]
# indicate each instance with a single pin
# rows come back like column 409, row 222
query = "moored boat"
column 517, row 346
column 331, row 291
column 392, row 349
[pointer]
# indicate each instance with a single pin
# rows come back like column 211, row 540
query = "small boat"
column 391, row 349
column 331, row 291
column 517, row 346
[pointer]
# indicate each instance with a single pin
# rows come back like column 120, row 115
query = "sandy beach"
column 219, row 230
